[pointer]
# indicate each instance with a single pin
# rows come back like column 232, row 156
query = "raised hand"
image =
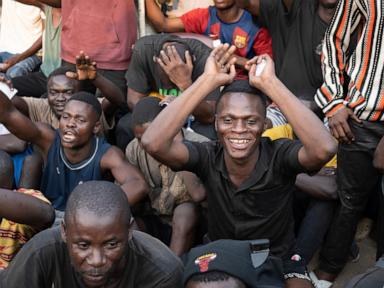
column 85, row 68
column 267, row 74
column 220, row 64
column 178, row 71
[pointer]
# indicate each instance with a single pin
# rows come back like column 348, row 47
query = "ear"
column 267, row 124
column 63, row 231
column 97, row 128
column 216, row 122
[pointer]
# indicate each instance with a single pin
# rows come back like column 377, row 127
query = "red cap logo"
column 203, row 261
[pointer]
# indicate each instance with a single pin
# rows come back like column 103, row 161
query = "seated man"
column 61, row 85
column 164, row 65
column 225, row 22
column 249, row 179
column 234, row 264
column 73, row 153
column 172, row 217
column 96, row 248
column 23, row 213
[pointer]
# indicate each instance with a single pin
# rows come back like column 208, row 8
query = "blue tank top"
column 60, row 177
column 242, row 33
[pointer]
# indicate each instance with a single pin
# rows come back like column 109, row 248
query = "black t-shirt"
column 261, row 207
column 44, row 262
column 142, row 75
column 297, row 37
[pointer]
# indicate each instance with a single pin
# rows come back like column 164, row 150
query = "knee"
column 185, row 217
column 6, row 170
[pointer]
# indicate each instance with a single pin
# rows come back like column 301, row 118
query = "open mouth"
column 239, row 144
column 68, row 136
column 94, row 278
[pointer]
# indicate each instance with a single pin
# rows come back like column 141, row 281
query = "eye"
column 80, row 120
column 112, row 245
column 64, row 116
column 82, row 245
column 251, row 121
column 227, row 120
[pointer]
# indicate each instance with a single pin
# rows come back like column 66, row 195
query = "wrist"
column 184, row 85
column 210, row 80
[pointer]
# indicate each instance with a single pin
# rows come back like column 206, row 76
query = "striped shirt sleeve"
column 330, row 96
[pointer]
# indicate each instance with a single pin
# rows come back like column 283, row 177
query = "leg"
column 356, row 179
column 33, row 84
column 314, row 226
column 184, row 222
column 6, row 170
column 31, row 171
column 380, row 224
column 24, row 67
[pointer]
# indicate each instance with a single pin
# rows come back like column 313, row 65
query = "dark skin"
column 173, row 71
column 25, row 209
column 97, row 247
column 227, row 11
column 240, row 142
column 77, row 129
column 11, row 144
column 61, row 88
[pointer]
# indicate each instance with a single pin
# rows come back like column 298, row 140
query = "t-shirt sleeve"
column 37, row 109
column 138, row 69
column 196, row 20
column 263, row 43
column 288, row 156
column 198, row 158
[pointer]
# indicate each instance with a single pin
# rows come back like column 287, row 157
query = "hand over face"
column 220, row 64
column 178, row 71
column 85, row 68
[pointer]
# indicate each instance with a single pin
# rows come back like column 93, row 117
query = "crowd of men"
column 221, row 157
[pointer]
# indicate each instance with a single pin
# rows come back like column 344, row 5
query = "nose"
column 239, row 126
column 96, row 258
column 71, row 122
column 61, row 97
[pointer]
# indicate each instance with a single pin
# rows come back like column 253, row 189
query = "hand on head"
column 267, row 74
column 85, row 68
column 178, row 71
column 221, row 64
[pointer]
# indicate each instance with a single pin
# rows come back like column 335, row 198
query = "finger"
column 94, row 65
column 173, row 54
column 161, row 63
column 227, row 55
column 9, row 83
column 78, row 60
column 188, row 59
column 334, row 133
column 221, row 51
column 164, row 57
column 347, row 130
column 354, row 117
column 252, row 70
column 342, row 136
column 71, row 75
column 251, row 61
column 87, row 61
column 232, row 72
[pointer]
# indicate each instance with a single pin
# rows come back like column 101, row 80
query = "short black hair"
column 101, row 198
column 145, row 110
column 61, row 71
column 242, row 86
column 88, row 98
column 215, row 276
column 180, row 44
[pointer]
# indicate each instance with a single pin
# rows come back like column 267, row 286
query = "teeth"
column 239, row 141
column 68, row 136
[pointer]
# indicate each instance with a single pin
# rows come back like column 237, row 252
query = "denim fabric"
column 24, row 67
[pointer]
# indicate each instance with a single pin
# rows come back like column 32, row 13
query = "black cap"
column 246, row 260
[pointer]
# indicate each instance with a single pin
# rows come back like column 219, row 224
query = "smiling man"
column 248, row 179
column 96, row 248
column 73, row 153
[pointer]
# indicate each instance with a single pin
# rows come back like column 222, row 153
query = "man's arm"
column 53, row 3
column 159, row 21
column 253, row 6
column 130, row 178
column 318, row 144
column 158, row 139
column 133, row 97
column 86, row 69
column 11, row 144
column 25, row 209
column 20, row 57
column 22, row 127
column 330, row 96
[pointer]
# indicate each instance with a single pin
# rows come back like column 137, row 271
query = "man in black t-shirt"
column 96, row 248
column 297, row 28
column 248, row 178
column 164, row 65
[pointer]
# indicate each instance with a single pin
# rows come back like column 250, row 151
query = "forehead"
column 74, row 107
column 84, row 224
column 240, row 104
column 60, row 81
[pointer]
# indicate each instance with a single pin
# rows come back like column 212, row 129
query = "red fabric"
column 263, row 43
column 196, row 20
